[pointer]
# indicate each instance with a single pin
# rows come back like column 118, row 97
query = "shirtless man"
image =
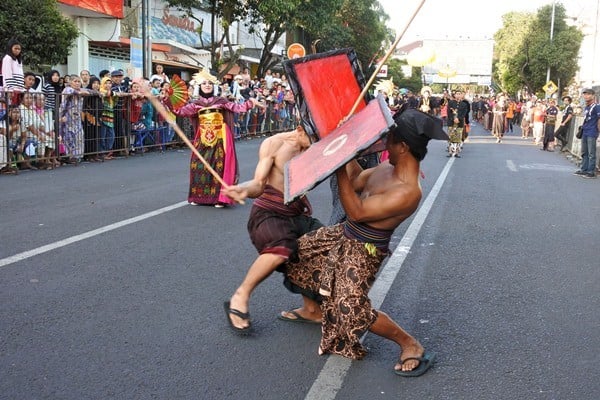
column 274, row 227
column 340, row 262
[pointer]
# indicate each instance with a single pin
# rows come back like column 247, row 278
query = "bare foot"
column 302, row 315
column 241, row 305
column 415, row 351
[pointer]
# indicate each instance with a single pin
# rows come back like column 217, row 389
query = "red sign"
column 322, row 158
column 113, row 8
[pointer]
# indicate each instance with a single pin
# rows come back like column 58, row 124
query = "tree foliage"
column 359, row 24
column 225, row 11
column 524, row 50
column 332, row 24
column 272, row 18
column 45, row 35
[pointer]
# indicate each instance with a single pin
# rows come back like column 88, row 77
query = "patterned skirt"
column 342, row 270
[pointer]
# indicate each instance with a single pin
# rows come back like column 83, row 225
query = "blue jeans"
column 107, row 138
column 588, row 154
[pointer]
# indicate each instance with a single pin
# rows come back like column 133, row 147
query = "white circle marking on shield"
column 335, row 145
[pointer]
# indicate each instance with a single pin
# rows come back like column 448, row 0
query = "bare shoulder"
column 270, row 146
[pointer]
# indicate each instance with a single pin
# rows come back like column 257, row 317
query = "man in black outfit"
column 561, row 132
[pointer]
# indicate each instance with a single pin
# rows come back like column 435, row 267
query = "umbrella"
column 421, row 56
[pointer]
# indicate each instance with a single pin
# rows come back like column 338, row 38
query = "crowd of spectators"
column 51, row 120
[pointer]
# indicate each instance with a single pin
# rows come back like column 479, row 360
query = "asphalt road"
column 111, row 286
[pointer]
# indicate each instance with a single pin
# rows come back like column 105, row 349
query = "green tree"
column 223, row 11
column 412, row 83
column 359, row 24
column 272, row 18
column 46, row 36
column 524, row 50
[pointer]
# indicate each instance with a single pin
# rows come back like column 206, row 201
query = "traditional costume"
column 214, row 141
column 274, row 227
column 338, row 264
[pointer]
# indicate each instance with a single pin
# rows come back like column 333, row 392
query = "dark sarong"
column 342, row 270
column 274, row 228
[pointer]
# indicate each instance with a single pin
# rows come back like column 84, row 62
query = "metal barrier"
column 91, row 127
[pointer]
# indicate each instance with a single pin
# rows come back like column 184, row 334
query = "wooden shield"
column 322, row 158
column 325, row 86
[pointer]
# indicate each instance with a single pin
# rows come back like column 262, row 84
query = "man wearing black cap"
column 567, row 115
column 590, row 129
column 338, row 264
column 119, row 87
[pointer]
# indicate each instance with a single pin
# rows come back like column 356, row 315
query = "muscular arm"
column 357, row 176
column 381, row 210
column 255, row 187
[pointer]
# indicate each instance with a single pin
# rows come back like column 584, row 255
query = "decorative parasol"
column 447, row 72
column 421, row 56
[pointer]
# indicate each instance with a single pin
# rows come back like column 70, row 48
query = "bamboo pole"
column 163, row 112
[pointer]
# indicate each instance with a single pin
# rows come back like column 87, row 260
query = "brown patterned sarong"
column 343, row 270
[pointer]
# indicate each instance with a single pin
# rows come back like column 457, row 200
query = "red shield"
column 322, row 158
column 325, row 86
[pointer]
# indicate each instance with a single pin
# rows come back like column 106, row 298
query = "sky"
column 439, row 19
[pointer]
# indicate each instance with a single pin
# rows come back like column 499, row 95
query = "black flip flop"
column 299, row 318
column 425, row 362
column 237, row 313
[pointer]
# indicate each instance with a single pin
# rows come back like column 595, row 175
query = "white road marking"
column 547, row 167
column 331, row 377
column 511, row 165
column 77, row 238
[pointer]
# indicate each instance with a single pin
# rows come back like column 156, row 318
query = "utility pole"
column 146, row 46
column 551, row 35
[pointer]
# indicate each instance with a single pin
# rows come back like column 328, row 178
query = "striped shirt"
column 12, row 73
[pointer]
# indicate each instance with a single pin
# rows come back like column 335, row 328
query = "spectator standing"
column 119, row 87
column 92, row 109
column 32, row 127
column 590, row 129
column 47, row 142
column 71, row 127
column 563, row 129
column 12, row 67
column 15, row 137
column 160, row 74
column 538, row 122
column 550, row 119
column 107, row 128
column 52, row 89
column 85, row 78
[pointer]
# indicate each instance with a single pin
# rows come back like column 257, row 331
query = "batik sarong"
column 338, row 264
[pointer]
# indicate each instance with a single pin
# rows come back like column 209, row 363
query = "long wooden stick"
column 385, row 58
column 163, row 112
